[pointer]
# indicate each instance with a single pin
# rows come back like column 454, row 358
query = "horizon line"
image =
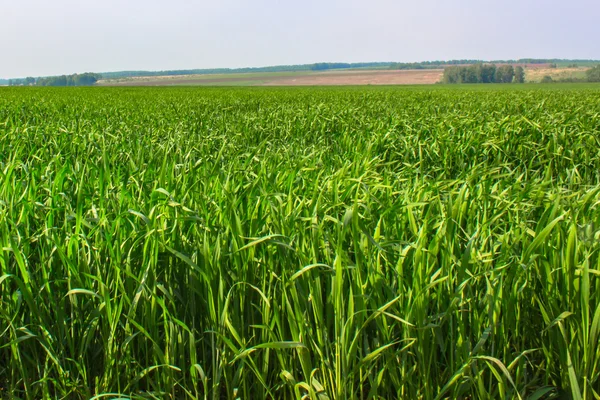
column 230, row 69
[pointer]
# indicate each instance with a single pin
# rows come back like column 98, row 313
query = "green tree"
column 473, row 74
column 452, row 75
column 505, row 74
column 547, row 79
column 86, row 79
column 488, row 73
column 476, row 73
column 593, row 74
column 519, row 75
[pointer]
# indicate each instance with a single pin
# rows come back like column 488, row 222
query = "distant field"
column 590, row 63
column 350, row 77
column 536, row 75
column 303, row 78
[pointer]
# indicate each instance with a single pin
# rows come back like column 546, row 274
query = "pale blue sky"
column 48, row 37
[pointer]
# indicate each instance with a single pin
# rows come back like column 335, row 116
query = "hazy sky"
column 49, row 37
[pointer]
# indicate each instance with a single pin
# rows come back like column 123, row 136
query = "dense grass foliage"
column 287, row 243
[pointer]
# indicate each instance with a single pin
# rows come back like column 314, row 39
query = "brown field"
column 406, row 77
column 308, row 78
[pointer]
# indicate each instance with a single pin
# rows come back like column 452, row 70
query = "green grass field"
column 326, row 243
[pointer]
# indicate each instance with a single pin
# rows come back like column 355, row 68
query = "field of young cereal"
column 324, row 243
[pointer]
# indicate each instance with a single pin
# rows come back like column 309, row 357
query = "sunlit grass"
column 317, row 243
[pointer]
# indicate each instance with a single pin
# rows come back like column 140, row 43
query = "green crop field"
column 323, row 243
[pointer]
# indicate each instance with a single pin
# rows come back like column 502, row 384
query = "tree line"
column 86, row 79
column 553, row 62
column 484, row 73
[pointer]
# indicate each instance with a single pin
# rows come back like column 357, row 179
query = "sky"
column 41, row 37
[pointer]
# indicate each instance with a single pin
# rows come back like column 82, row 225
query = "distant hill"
column 275, row 68
column 335, row 65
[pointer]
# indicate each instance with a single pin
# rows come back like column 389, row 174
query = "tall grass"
column 306, row 243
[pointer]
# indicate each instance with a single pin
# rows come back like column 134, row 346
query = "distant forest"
column 484, row 73
column 504, row 73
column 88, row 79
